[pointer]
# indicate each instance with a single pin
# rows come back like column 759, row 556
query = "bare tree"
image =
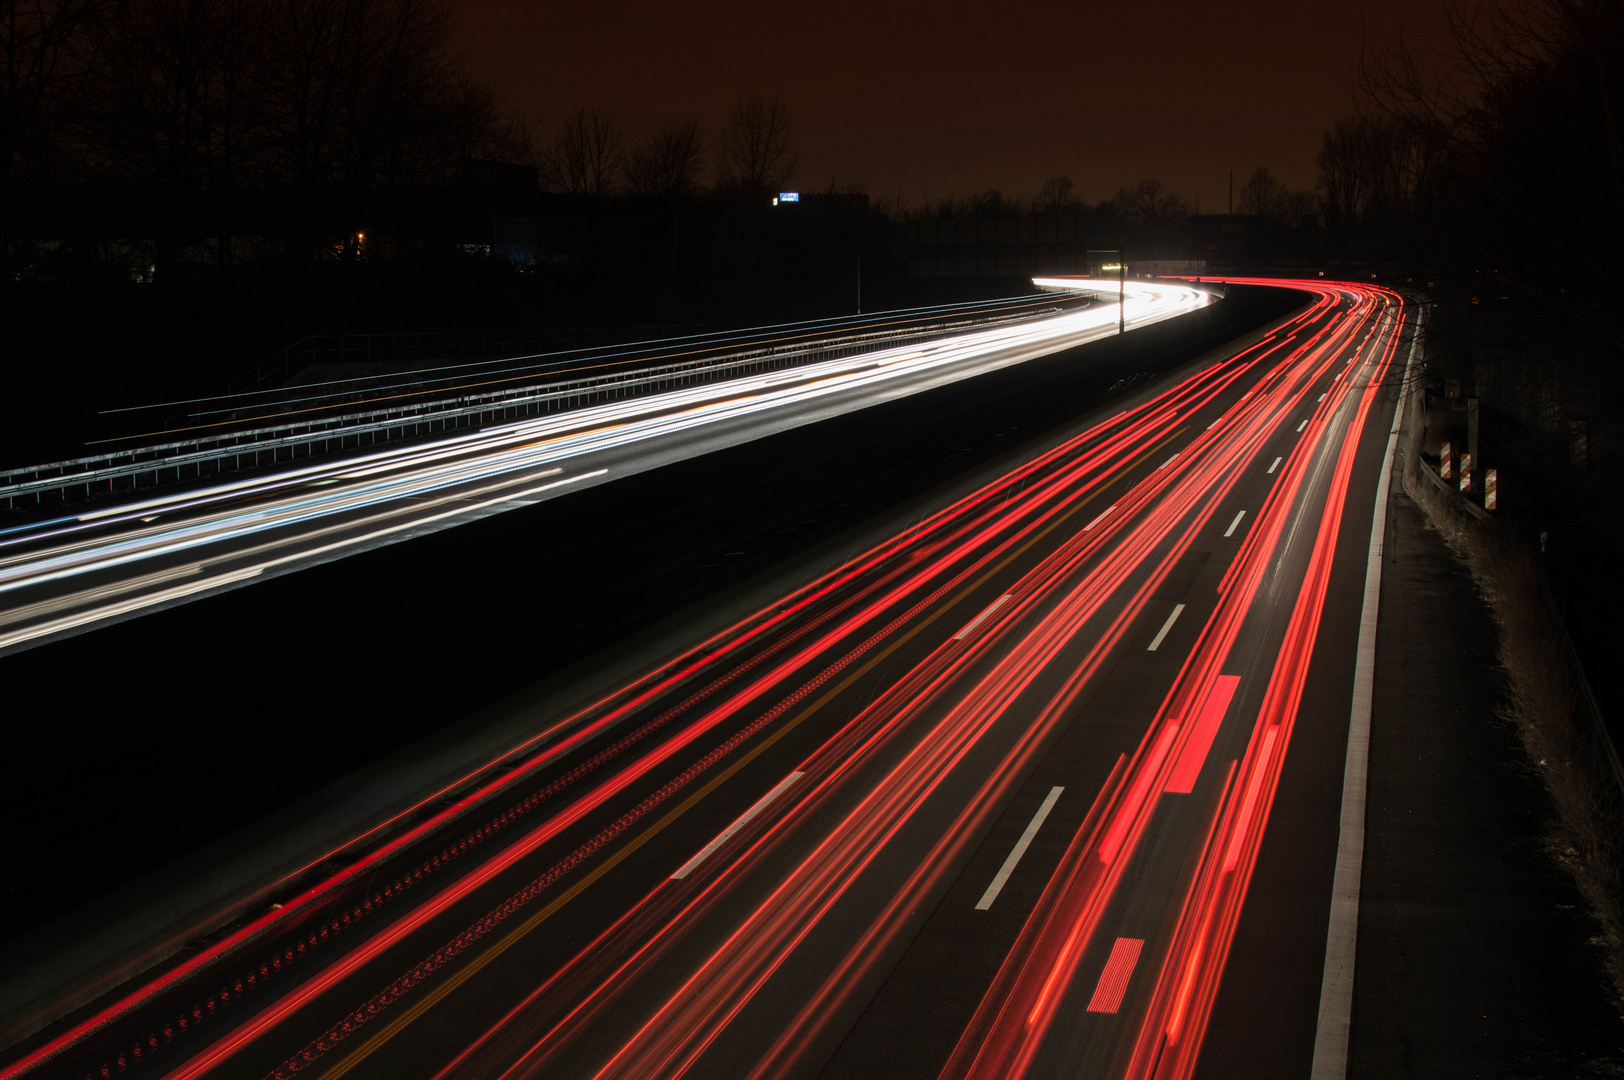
column 400, row 80
column 1057, row 196
column 189, row 100
column 474, row 125
column 1275, row 204
column 1150, row 203
column 303, row 83
column 988, row 203
column 154, row 97
column 1507, row 148
column 1298, row 209
column 1343, row 162
column 892, row 206
column 366, row 93
column 1262, row 195
column 667, row 163
column 45, row 59
column 755, row 156
column 587, row 157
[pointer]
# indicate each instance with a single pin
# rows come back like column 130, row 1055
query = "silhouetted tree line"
column 753, row 159
column 1496, row 172
column 185, row 99
column 1153, row 221
column 222, row 95
column 212, row 180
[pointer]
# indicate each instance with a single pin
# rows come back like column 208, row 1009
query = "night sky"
column 924, row 100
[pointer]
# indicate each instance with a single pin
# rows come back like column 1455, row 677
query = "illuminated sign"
column 789, row 196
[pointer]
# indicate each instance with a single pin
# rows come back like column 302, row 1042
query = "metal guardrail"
column 419, row 379
column 1599, row 751
column 217, row 454
column 1444, row 486
column 416, row 347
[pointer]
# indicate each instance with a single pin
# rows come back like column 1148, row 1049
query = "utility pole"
column 1232, row 192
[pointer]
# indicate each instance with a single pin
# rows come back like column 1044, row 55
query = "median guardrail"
column 233, row 448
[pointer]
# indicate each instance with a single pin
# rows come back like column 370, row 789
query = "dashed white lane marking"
column 1099, row 519
column 1166, row 463
column 743, row 820
column 1301, row 426
column 1021, row 845
column 1232, row 525
column 1178, row 609
column 1275, row 466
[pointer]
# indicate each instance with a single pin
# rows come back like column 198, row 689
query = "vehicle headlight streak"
column 59, row 551
column 995, row 686
column 695, row 1014
column 673, row 1040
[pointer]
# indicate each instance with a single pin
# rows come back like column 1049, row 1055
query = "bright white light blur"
column 235, row 530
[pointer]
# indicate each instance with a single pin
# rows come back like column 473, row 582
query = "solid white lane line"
column 1021, row 845
column 1301, row 426
column 975, row 622
column 1178, row 609
column 1342, row 935
column 1275, row 466
column 743, row 820
column 1232, row 525
column 1099, row 519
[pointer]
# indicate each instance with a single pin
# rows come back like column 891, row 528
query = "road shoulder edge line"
column 1341, row 938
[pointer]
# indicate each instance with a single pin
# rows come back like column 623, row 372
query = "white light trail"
column 210, row 525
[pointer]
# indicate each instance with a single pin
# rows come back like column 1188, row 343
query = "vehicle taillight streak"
column 912, row 691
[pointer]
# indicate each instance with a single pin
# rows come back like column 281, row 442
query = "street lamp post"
column 1122, row 277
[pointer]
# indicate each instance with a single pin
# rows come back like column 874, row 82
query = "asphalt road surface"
column 1046, row 784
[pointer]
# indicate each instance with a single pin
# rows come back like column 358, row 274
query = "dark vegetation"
column 1495, row 172
column 191, row 188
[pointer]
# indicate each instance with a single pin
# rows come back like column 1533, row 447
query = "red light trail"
column 868, row 733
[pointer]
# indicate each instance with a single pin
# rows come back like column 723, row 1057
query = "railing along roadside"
column 1469, row 519
column 208, row 455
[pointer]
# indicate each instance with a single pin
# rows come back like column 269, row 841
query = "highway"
column 69, row 574
column 1030, row 788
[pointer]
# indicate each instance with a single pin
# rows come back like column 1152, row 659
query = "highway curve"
column 990, row 798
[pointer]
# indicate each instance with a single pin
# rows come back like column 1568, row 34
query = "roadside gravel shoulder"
column 1474, row 954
